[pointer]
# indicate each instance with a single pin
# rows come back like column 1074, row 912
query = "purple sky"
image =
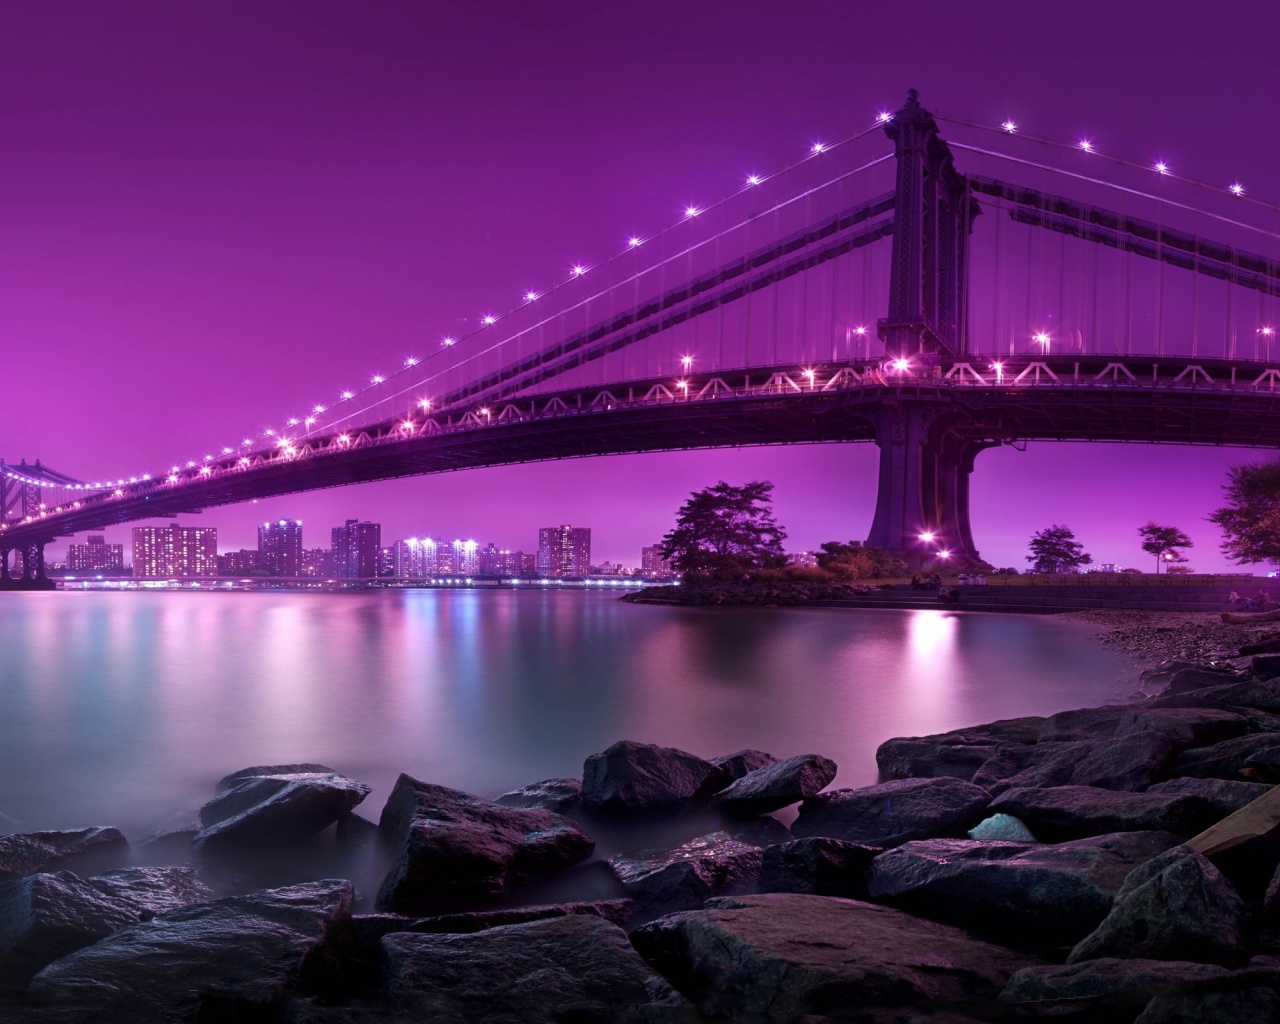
column 213, row 214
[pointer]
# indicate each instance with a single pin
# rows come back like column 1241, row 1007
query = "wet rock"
column 85, row 850
column 1224, row 795
column 1271, row 914
column 1121, row 763
column 743, row 762
column 1265, row 666
column 46, row 916
column 893, row 813
column 1260, row 695
column 1097, row 986
column 1271, row 646
column 1036, row 895
column 275, row 804
column 822, row 867
column 957, row 754
column 776, row 786
column 1003, row 828
column 1003, row 764
column 233, row 958
column 1176, row 906
column 166, row 847
column 356, row 833
column 1223, row 760
column 1185, row 727
column 778, row 956
column 712, row 865
column 1060, row 813
column 1082, row 724
column 559, row 795
column 1198, row 678
column 1257, row 1005
column 456, row 851
column 1263, row 766
column 568, row 969
column 631, row 776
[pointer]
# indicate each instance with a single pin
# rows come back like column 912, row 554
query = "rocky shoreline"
column 1113, row 864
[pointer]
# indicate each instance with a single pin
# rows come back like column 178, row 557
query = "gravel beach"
column 1153, row 637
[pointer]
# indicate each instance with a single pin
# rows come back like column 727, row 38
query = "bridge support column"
column 924, row 483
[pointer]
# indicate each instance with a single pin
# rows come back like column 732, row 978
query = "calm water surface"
column 125, row 708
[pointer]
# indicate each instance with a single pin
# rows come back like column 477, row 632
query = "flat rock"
column 1269, row 646
column 779, row 956
column 233, row 958
column 1224, row 795
column 1082, row 724
column 1185, row 727
column 46, row 916
column 567, row 969
column 643, row 777
column 1198, row 678
column 776, row 786
column 1257, row 1005
column 821, row 867
column 1223, row 760
column 1059, row 813
column 1043, row 896
column 1096, row 986
column 1176, row 906
column 456, row 851
column 559, row 795
column 275, row 804
column 1129, row 762
column 956, row 754
column 85, row 850
column 893, row 813
column 1265, row 666
column 743, row 762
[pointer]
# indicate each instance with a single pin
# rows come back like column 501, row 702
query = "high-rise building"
column 489, row 560
column 653, row 565
column 528, row 563
column 280, row 544
column 357, row 550
column 162, row 552
column 564, row 550
column 240, row 563
column 316, row 562
column 96, row 555
column 466, row 561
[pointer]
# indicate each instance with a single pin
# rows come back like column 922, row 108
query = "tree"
column 1055, row 549
column 1165, row 542
column 852, row 561
column 725, row 532
column 1250, row 520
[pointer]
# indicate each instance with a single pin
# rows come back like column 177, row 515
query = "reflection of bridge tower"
column 21, row 491
column 924, row 460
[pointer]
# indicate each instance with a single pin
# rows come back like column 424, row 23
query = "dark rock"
column 357, row 833
column 822, row 867
column 1261, row 695
column 1263, row 766
column 1073, row 812
column 1003, row 764
column 632, row 776
column 86, row 850
column 1122, row 763
column 1271, row 914
column 777, row 956
column 571, row 969
column 1222, row 760
column 1097, row 986
column 893, row 813
column 1034, row 895
column 1271, row 646
column 46, row 916
column 233, row 958
column 711, row 865
column 957, row 754
column 1198, row 678
column 1225, row 796
column 456, row 850
column 1265, row 666
column 1185, row 727
column 743, row 762
column 275, row 804
column 1257, row 1005
column 559, row 795
column 1176, row 906
column 776, row 786
column 1082, row 724
column 161, row 848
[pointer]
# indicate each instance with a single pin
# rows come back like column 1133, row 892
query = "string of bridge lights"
column 1008, row 127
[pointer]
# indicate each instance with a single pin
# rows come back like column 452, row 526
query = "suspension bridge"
column 883, row 297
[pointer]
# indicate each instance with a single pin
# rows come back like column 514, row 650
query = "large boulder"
column 1096, row 988
column 1257, row 1005
column 778, row 956
column 893, row 813
column 229, row 959
column 1073, row 812
column 631, row 776
column 821, row 867
column 956, row 754
column 1198, row 677
column 46, row 916
column 1223, row 760
column 1034, row 895
column 1263, row 766
column 273, row 804
column 743, row 762
column 1185, row 727
column 559, row 795
column 456, row 851
column 1082, row 724
column 575, row 968
column 1225, row 796
column 1177, row 906
column 776, row 786
column 1129, row 762
column 85, row 850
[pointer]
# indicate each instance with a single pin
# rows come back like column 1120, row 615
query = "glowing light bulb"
column 884, row 116
column 691, row 211
column 411, row 361
column 1042, row 337
column 447, row 342
column 818, row 147
column 248, row 440
column 754, row 179
column 425, row 403
column 633, row 241
column 317, row 408
column 1162, row 167
column 378, row 378
column 530, row 296
column 309, row 421
column 1086, row 145
column 489, row 320
column 407, row 424
column 687, row 361
column 1267, row 332
column 901, row 365
column 1237, row 189
column 926, row 536
column 348, row 395
column 579, row 270
column 684, row 384
column 859, row 330
column 1010, row 126
column 293, row 421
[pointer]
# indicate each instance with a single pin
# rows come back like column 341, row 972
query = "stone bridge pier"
column 31, row 575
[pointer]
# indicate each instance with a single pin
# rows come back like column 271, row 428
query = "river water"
column 125, row 708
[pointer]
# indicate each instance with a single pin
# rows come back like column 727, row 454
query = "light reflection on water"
column 125, row 708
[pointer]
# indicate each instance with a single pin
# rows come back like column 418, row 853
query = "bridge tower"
column 20, row 496
column 925, row 460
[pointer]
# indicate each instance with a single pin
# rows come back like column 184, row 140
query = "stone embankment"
column 734, row 594
column 1114, row 864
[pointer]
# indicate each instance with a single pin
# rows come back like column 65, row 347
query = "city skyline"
column 185, row 201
